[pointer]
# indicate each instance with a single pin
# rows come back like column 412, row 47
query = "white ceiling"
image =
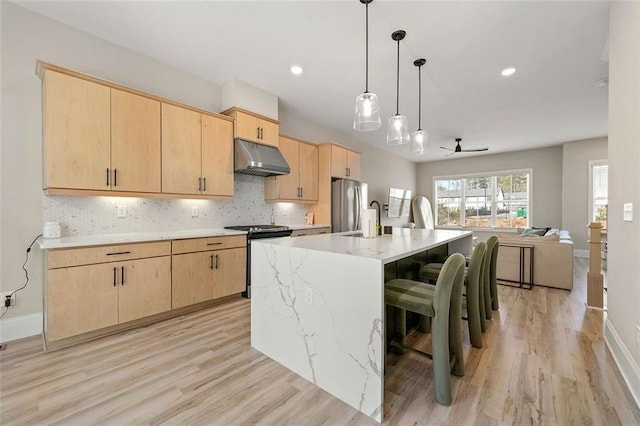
column 557, row 47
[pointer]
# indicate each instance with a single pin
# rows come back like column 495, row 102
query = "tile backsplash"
column 97, row 215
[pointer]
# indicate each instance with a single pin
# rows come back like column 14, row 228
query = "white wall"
column 575, row 186
column 380, row 170
column 546, row 183
column 623, row 264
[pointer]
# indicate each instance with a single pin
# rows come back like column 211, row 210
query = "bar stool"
column 489, row 297
column 474, row 281
column 442, row 303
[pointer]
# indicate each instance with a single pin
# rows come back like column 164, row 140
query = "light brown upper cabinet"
column 197, row 155
column 77, row 140
column 99, row 138
column 344, row 163
column 301, row 184
column 254, row 127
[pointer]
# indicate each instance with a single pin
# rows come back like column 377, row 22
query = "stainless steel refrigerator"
column 346, row 202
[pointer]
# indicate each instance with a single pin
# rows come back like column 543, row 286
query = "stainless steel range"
column 255, row 232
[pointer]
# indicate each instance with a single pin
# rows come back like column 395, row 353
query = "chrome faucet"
column 378, row 225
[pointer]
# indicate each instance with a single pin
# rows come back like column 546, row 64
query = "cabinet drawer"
column 112, row 253
column 203, row 244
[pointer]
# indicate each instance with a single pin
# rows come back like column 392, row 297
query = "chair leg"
column 440, row 354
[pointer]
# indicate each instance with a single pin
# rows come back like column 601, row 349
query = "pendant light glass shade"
column 419, row 140
column 367, row 114
column 398, row 130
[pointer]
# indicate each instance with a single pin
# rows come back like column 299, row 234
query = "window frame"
column 494, row 175
column 592, row 164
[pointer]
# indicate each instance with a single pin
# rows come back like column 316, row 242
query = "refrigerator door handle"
column 358, row 217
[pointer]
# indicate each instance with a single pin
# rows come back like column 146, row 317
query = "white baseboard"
column 580, row 253
column 625, row 362
column 15, row 328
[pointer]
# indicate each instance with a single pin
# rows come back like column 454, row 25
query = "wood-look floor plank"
column 544, row 362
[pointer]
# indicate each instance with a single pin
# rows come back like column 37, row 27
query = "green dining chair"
column 443, row 304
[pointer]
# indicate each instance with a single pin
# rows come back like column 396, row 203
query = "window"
column 598, row 191
column 495, row 200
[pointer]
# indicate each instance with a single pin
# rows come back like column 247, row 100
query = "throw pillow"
column 533, row 231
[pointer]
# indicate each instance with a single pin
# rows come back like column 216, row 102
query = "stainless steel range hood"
column 259, row 160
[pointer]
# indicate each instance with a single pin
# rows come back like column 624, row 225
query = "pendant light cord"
column 398, row 81
column 366, row 72
column 419, row 97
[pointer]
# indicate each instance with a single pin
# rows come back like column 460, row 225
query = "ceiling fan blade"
column 448, row 149
column 449, row 155
column 475, row 150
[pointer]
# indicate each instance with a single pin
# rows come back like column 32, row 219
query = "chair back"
column 493, row 276
column 449, row 285
column 474, row 273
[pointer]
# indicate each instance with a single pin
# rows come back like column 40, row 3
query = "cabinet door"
column 144, row 287
column 217, row 156
column 308, row 155
column 269, row 132
column 353, row 164
column 191, row 278
column 246, row 127
column 230, row 273
column 76, row 133
column 338, row 162
column 287, row 185
column 81, row 299
column 135, row 142
column 181, row 150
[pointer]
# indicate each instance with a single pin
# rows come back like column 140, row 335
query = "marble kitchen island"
column 317, row 306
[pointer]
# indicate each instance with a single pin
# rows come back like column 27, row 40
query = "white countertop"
column 134, row 237
column 388, row 248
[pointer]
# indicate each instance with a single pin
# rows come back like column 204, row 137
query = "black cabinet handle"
column 114, row 276
column 257, row 132
column 211, row 262
column 107, row 176
column 261, row 133
column 204, row 186
column 122, row 274
column 115, row 177
column 199, row 184
column 216, row 261
column 117, row 253
column 213, row 244
column 301, row 192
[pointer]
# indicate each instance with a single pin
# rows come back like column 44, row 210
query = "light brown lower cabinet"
column 95, row 290
column 81, row 299
column 198, row 277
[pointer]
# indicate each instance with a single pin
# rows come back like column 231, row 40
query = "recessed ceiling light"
column 508, row 71
column 296, row 69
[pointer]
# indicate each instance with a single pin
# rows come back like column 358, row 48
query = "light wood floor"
column 544, row 362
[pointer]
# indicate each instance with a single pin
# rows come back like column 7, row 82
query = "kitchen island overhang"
column 318, row 306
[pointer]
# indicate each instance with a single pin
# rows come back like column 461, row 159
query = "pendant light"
column 398, row 131
column 420, row 137
column 367, row 116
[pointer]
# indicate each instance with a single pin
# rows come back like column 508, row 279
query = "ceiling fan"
column 458, row 148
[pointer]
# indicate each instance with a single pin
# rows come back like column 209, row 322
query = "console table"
column 522, row 247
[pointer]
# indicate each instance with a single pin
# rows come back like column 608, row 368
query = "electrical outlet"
column 121, row 210
column 308, row 295
column 3, row 297
column 195, row 211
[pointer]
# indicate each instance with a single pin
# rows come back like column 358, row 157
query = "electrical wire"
column 26, row 273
